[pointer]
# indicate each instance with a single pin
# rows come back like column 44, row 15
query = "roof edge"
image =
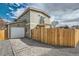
column 34, row 9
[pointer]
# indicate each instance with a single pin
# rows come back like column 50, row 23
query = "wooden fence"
column 3, row 34
column 56, row 36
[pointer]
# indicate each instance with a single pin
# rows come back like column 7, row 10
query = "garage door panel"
column 17, row 32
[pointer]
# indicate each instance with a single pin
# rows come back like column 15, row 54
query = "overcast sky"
column 59, row 10
column 66, row 12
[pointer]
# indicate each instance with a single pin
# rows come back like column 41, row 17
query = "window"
column 41, row 19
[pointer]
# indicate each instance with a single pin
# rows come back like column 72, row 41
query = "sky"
column 65, row 13
column 9, row 12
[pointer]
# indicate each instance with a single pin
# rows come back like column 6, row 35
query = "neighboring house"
column 2, row 24
column 28, row 20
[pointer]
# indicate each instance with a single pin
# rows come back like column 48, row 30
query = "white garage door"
column 17, row 32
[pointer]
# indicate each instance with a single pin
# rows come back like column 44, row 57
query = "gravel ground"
column 5, row 48
column 28, row 47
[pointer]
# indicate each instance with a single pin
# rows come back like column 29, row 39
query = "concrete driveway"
column 29, row 47
column 5, row 48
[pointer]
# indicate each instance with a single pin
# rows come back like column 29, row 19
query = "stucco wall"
column 26, row 18
column 31, row 19
column 35, row 19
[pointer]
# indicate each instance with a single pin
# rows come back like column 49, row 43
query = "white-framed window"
column 41, row 21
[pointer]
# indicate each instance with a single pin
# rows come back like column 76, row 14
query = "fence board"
column 41, row 34
column 64, row 37
column 69, row 37
column 38, row 34
column 61, row 40
column 72, row 38
column 49, row 39
column 3, row 34
column 76, row 37
column 53, row 36
column 56, row 36
column 45, row 35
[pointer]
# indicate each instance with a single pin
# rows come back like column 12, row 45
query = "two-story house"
column 27, row 21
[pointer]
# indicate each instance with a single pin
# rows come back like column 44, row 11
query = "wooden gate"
column 3, row 34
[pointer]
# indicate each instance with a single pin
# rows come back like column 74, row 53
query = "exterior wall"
column 35, row 19
column 30, row 20
column 26, row 18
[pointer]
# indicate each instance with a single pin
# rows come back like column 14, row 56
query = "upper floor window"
column 41, row 21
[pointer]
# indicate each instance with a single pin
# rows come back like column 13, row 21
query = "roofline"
column 33, row 9
column 39, row 10
column 15, row 23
